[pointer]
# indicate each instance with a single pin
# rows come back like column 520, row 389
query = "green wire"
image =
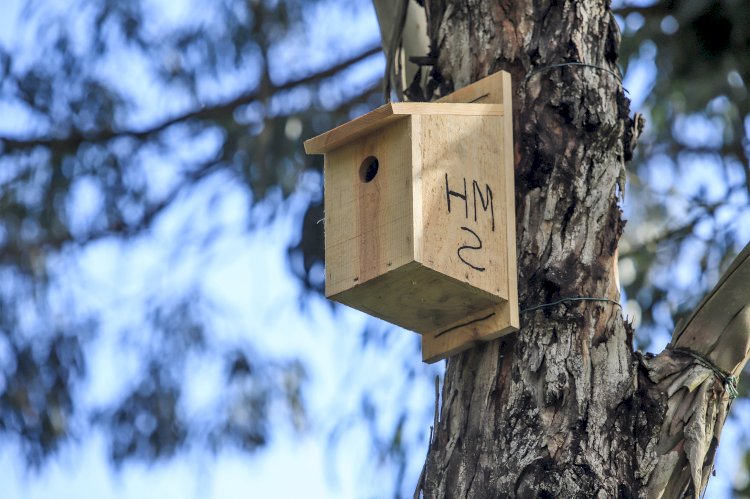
column 729, row 380
column 572, row 298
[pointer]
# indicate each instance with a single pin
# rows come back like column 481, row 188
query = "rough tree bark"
column 564, row 408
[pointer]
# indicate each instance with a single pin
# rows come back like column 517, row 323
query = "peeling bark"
column 680, row 457
column 565, row 408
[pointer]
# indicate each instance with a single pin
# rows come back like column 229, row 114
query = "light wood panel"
column 463, row 232
column 368, row 225
column 503, row 318
column 484, row 325
column 416, row 298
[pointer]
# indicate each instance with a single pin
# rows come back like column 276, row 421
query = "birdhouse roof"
column 358, row 127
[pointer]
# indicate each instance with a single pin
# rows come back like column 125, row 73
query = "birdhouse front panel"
column 368, row 207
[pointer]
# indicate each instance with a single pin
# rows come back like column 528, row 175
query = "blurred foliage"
column 134, row 106
column 689, row 185
column 113, row 112
column 690, row 179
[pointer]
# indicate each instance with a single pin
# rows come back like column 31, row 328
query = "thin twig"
column 202, row 113
column 394, row 43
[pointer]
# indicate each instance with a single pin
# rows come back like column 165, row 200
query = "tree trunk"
column 564, row 408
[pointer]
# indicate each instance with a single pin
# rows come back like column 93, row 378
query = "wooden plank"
column 368, row 225
column 463, row 233
column 352, row 130
column 504, row 318
column 436, row 108
column 509, row 173
column 484, row 325
column 492, row 89
column 365, row 124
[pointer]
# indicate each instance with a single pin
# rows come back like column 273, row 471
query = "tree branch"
column 675, row 233
column 692, row 380
column 206, row 112
column 10, row 254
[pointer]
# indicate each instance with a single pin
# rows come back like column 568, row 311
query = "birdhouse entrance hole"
column 368, row 169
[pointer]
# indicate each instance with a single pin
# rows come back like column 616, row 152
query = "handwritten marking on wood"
column 485, row 204
column 470, row 247
column 463, row 227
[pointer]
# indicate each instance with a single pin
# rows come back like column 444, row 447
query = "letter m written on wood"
column 420, row 218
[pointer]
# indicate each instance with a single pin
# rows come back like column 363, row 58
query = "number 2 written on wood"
column 482, row 206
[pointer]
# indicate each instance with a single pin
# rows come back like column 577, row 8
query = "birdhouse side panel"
column 368, row 207
column 463, row 194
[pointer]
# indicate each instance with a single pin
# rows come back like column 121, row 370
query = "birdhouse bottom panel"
column 417, row 298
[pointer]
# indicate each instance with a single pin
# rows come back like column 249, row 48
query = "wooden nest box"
column 420, row 219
